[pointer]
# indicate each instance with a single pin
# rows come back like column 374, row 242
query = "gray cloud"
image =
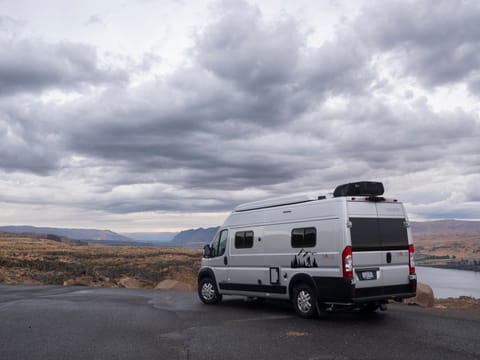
column 437, row 42
column 31, row 65
column 27, row 142
column 255, row 112
column 94, row 20
column 244, row 50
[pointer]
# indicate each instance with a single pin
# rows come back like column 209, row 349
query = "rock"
column 170, row 284
column 79, row 281
column 424, row 296
column 2, row 278
column 130, row 283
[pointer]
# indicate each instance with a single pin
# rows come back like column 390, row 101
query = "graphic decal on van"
column 304, row 259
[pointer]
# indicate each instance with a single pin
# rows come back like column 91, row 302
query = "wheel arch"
column 301, row 279
column 206, row 272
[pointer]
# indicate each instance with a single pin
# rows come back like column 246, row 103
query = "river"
column 450, row 283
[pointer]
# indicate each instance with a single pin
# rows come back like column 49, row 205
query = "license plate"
column 368, row 275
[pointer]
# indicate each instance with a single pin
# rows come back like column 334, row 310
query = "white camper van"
column 351, row 250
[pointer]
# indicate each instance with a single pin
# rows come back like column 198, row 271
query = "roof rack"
column 274, row 202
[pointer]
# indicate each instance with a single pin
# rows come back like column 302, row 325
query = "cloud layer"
column 254, row 111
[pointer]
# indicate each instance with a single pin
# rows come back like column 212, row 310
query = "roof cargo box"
column 361, row 188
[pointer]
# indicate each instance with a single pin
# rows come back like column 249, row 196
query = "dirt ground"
column 464, row 302
column 33, row 259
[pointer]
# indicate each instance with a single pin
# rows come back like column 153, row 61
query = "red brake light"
column 347, row 262
column 411, row 258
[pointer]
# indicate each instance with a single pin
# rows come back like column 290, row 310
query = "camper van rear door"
column 374, row 234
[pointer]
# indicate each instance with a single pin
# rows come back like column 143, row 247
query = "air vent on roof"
column 361, row 188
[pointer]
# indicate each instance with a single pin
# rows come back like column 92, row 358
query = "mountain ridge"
column 72, row 233
column 445, row 226
column 194, row 238
column 197, row 238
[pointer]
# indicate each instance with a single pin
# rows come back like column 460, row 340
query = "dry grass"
column 32, row 258
column 463, row 302
column 460, row 245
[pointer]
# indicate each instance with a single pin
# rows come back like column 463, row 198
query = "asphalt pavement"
column 51, row 322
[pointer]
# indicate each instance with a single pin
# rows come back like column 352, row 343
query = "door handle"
column 225, row 260
column 389, row 257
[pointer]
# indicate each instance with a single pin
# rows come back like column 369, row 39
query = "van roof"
column 279, row 201
column 360, row 188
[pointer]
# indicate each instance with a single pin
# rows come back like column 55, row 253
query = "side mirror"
column 207, row 251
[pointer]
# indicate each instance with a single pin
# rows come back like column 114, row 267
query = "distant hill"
column 10, row 236
column 78, row 234
column 445, row 227
column 194, row 238
column 447, row 243
column 152, row 237
column 197, row 238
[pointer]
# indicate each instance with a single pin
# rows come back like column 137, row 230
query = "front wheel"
column 207, row 291
column 305, row 301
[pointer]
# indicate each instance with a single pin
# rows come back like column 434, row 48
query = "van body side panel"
column 272, row 251
column 267, row 267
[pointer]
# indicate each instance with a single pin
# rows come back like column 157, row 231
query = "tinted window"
column 364, row 234
column 214, row 245
column 223, row 242
column 219, row 244
column 393, row 233
column 304, row 237
column 244, row 239
column 369, row 234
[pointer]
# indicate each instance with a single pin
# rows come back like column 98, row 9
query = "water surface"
column 450, row 283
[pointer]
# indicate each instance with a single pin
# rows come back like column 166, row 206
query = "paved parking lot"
column 49, row 322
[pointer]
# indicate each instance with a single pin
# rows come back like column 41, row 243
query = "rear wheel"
column 305, row 301
column 369, row 308
column 207, row 291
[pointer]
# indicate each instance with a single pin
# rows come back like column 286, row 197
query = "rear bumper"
column 340, row 290
column 383, row 293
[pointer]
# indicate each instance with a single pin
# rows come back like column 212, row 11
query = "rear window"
column 369, row 234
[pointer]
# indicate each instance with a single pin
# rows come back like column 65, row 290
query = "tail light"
column 347, row 262
column 411, row 259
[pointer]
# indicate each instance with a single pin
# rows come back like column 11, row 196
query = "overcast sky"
column 164, row 115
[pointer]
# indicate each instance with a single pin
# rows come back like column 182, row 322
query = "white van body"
column 353, row 251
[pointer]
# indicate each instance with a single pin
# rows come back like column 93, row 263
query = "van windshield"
column 370, row 234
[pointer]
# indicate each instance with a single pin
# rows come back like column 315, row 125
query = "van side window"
column 219, row 244
column 244, row 240
column 304, row 237
column 214, row 246
column 222, row 245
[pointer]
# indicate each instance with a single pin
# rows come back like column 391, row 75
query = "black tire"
column 369, row 308
column 208, row 292
column 305, row 301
